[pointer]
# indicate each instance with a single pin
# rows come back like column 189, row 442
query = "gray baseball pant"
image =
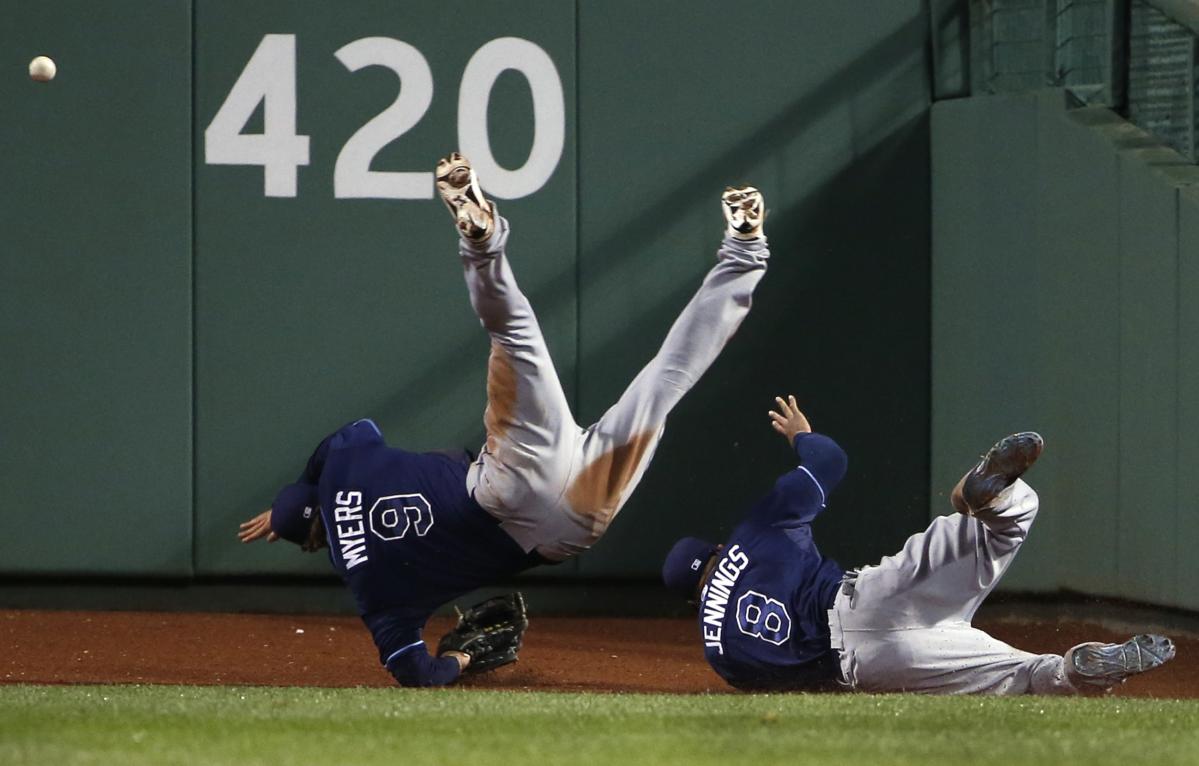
column 904, row 625
column 554, row 485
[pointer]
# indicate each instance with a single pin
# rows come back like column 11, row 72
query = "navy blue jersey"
column 763, row 611
column 406, row 537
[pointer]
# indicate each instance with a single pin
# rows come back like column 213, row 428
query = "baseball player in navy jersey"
column 775, row 614
column 409, row 532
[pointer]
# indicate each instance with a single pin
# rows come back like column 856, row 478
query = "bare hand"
column 789, row 421
column 259, row 526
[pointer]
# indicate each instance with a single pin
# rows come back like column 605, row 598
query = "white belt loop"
column 849, row 586
column 846, row 676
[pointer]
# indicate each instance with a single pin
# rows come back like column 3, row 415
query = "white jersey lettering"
column 717, row 593
column 350, row 530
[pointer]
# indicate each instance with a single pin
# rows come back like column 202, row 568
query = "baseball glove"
column 490, row 633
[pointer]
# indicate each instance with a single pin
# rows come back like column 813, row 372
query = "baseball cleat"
column 1003, row 464
column 1106, row 665
column 744, row 210
column 459, row 189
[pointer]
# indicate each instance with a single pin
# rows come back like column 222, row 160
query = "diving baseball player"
column 775, row 614
column 409, row 532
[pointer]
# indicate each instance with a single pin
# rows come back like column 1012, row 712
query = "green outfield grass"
column 129, row 725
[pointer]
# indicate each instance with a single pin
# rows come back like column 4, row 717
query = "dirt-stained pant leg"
column 905, row 623
column 615, row 452
column 531, row 434
column 553, row 486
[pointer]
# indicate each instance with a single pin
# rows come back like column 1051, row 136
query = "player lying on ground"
column 775, row 614
column 409, row 532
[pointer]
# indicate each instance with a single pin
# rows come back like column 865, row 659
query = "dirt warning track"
column 561, row 653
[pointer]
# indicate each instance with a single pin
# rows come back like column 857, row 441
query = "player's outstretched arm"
column 257, row 527
column 800, row 495
column 788, row 420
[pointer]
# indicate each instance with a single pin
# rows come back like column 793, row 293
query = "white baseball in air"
column 42, row 69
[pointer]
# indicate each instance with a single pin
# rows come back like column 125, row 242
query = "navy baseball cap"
column 684, row 565
column 293, row 511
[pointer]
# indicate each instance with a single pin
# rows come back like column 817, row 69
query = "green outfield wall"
column 1064, row 285
column 96, row 290
column 220, row 242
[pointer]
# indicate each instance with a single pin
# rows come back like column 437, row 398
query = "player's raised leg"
column 616, row 450
column 530, row 430
column 944, row 573
column 905, row 623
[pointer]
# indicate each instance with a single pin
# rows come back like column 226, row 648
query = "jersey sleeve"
column 357, row 434
column 414, row 666
column 793, row 501
column 397, row 635
column 800, row 495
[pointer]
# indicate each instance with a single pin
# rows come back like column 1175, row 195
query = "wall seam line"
column 194, row 305
column 578, row 127
column 1113, row 584
column 1175, row 589
column 578, row 376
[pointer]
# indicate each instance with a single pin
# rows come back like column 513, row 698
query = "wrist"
column 461, row 658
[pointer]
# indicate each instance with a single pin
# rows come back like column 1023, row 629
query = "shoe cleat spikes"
column 459, row 189
column 744, row 211
column 996, row 471
column 1103, row 666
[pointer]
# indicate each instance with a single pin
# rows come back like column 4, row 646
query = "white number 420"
column 269, row 78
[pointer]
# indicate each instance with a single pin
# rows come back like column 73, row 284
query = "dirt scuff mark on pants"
column 501, row 395
column 595, row 492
